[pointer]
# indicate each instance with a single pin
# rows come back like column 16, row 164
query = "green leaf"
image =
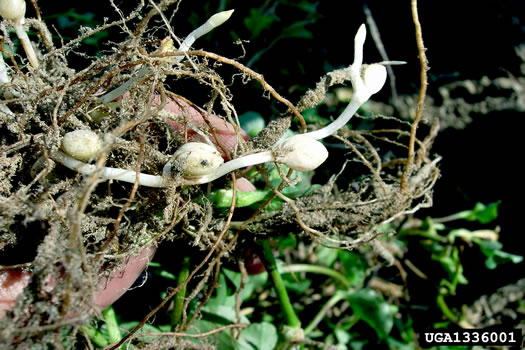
column 311, row 116
column 396, row 344
column 223, row 340
column 326, row 256
column 221, row 311
column 354, row 267
column 146, row 328
column 257, row 22
column 343, row 337
column 221, row 308
column 96, row 336
column 258, row 336
column 253, row 282
column 95, row 39
column 483, row 213
column 495, row 256
column 311, row 189
column 303, row 188
column 221, row 314
column 166, row 274
column 252, row 122
column 299, row 188
column 516, row 259
column 297, row 31
column 234, row 277
column 296, row 284
column 110, row 317
column 449, row 260
column 307, row 6
column 275, row 204
column 223, row 198
column 372, row 309
column 488, row 247
column 289, row 241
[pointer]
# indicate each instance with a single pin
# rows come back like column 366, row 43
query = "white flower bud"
column 301, row 153
column 374, row 77
column 14, row 10
column 81, row 144
column 197, row 159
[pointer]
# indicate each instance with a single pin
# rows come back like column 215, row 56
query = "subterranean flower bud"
column 197, row 159
column 81, row 144
column 301, row 153
column 14, row 10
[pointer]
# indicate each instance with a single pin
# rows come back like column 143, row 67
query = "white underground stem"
column 4, row 77
column 144, row 71
column 228, row 167
column 209, row 25
column 130, row 176
column 26, row 44
column 331, row 128
column 186, row 44
column 160, row 181
column 122, row 89
column 5, row 109
column 361, row 92
column 361, row 95
column 244, row 162
column 110, row 173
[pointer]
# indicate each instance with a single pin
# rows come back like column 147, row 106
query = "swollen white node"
column 13, row 10
column 197, row 159
column 81, row 144
column 301, row 153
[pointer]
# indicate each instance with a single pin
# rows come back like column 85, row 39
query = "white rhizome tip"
column 219, row 18
column 359, row 42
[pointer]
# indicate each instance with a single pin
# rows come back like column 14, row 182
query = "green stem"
column 271, row 266
column 445, row 309
column 457, row 216
column 122, row 89
column 319, row 317
column 179, row 298
column 95, row 336
column 111, row 323
column 317, row 269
